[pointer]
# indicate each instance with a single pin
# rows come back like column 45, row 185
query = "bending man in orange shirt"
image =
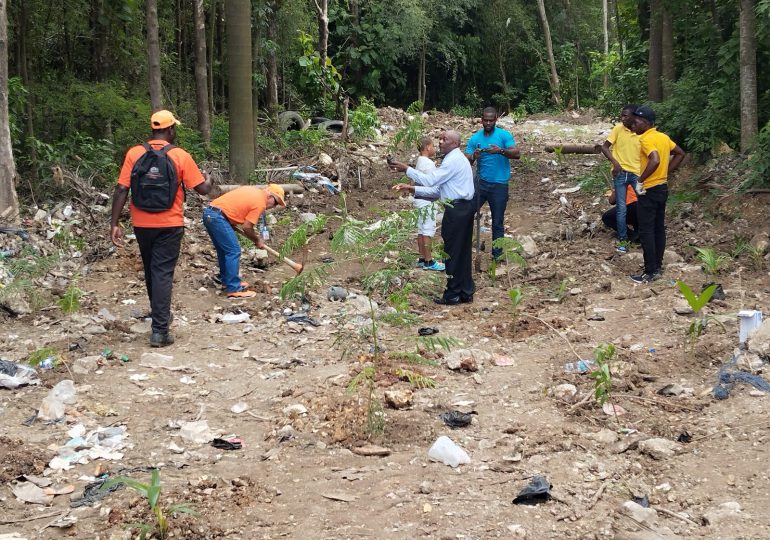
column 240, row 207
column 157, row 213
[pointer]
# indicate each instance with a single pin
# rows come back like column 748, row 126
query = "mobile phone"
column 389, row 159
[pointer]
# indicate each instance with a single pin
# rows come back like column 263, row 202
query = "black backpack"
column 154, row 180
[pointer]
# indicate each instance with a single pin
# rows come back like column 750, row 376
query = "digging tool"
column 297, row 267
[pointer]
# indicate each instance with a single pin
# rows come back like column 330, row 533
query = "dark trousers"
column 457, row 233
column 496, row 194
column 652, row 226
column 160, row 250
column 610, row 219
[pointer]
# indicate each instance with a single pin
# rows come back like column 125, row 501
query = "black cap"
column 646, row 113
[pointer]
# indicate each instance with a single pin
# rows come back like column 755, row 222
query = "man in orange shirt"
column 241, row 208
column 157, row 197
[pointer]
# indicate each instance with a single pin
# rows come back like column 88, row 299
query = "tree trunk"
column 153, row 56
column 606, row 31
column 179, row 53
column 322, row 6
column 748, row 46
column 99, row 32
column 29, row 106
column 201, row 75
column 238, row 20
column 272, row 58
column 210, row 50
column 655, row 58
column 421, row 75
column 221, row 38
column 9, row 204
column 553, row 76
column 668, row 67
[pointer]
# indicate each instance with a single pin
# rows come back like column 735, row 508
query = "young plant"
column 409, row 135
column 711, row 261
column 697, row 303
column 516, row 295
column 602, row 375
column 364, row 120
column 151, row 492
column 70, row 300
column 562, row 291
column 757, row 256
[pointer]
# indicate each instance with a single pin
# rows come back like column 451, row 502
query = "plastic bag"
column 13, row 375
column 445, row 451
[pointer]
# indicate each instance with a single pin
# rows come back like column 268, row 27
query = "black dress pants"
column 160, row 250
column 652, row 226
column 610, row 219
column 457, row 233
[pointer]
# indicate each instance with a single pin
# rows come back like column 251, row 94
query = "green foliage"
column 70, row 300
column 301, row 235
column 319, row 85
column 696, row 302
column 415, row 378
column 408, row 136
column 562, row 291
column 759, row 162
column 412, row 358
column 364, row 120
column 434, row 343
column 511, row 251
column 597, row 180
column 602, row 375
column 151, row 493
column 711, row 261
column 26, row 267
column 39, row 355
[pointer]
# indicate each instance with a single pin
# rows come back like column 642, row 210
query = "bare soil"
column 306, row 482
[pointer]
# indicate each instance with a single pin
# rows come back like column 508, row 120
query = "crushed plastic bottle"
column 264, row 230
column 581, row 366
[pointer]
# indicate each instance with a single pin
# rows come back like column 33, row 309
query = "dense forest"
column 82, row 76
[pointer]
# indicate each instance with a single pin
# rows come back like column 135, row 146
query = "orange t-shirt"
column 187, row 173
column 631, row 197
column 242, row 204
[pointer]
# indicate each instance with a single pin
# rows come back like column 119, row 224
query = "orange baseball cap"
column 163, row 119
column 277, row 191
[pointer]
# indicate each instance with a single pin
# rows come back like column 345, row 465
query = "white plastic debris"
column 235, row 318
column 445, row 451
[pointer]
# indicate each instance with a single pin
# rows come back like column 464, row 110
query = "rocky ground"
column 306, row 469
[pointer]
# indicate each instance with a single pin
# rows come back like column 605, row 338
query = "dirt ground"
column 306, row 481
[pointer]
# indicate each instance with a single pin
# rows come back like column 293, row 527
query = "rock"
column 371, row 450
column 672, row 389
column 142, row 327
column 759, row 340
column 575, row 291
column 529, row 247
column 398, row 399
column 634, row 256
column 760, row 241
column 518, row 531
column 94, row 329
column 360, row 304
column 105, row 314
column 658, row 448
column 683, row 308
column 726, row 511
column 16, row 304
column 260, row 254
column 85, row 365
column 307, row 217
column 640, row 514
column 565, row 392
column 325, row 159
column 336, row 294
column 670, row 256
column 467, row 359
column 426, row 488
column 605, row 436
column 293, row 411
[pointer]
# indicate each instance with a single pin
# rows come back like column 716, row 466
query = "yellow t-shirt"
column 651, row 141
column 625, row 148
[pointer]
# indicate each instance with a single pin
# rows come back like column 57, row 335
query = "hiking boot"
column 645, row 277
column 243, row 293
column 435, row 266
column 447, row 301
column 161, row 340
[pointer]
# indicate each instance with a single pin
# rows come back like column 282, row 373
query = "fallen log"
column 288, row 188
column 574, row 148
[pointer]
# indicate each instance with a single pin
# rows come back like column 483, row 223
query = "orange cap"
column 277, row 191
column 163, row 119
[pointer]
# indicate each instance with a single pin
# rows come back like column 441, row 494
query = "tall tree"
column 553, row 77
column 201, row 74
column 238, row 21
column 210, row 48
column 9, row 204
column 668, row 67
column 272, row 55
column 655, row 57
column 606, row 33
column 748, row 54
column 153, row 55
column 322, row 9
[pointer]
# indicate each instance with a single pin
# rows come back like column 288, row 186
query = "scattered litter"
column 311, row 179
column 139, row 377
column 538, row 490
column 162, row 361
column 644, row 501
column 100, row 443
column 457, row 419
column 234, row 318
column 13, row 375
column 581, row 366
column 128, row 302
column 337, row 294
column 197, row 432
column 52, row 406
column 504, row 360
column 611, row 409
column 718, row 294
column 295, row 410
column 371, row 450
column 187, row 380
column 750, row 320
column 672, row 389
column 684, row 437
column 227, row 443
column 175, row 448
column 563, row 191
column 427, row 331
column 30, row 493
column 339, row 496
column 93, row 493
column 729, row 375
column 445, row 451
column 238, row 408
column 303, row 318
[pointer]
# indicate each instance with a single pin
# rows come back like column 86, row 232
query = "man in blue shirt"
column 493, row 147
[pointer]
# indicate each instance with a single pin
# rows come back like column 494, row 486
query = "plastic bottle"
column 581, row 366
column 263, row 228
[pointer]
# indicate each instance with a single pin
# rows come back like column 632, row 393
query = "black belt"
column 460, row 201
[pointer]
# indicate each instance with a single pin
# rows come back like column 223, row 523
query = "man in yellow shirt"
column 656, row 163
column 622, row 150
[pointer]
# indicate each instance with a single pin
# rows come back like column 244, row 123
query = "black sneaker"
column 645, row 277
column 161, row 340
column 442, row 301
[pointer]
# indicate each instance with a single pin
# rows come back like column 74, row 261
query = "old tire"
column 291, row 121
column 332, row 126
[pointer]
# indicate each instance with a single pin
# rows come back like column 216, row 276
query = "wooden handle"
column 297, row 267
